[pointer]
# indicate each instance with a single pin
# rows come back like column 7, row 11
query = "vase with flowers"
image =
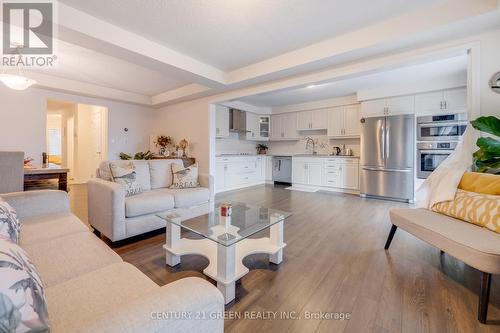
column 262, row 149
column 163, row 142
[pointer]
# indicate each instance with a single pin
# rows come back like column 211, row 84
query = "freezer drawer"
column 390, row 184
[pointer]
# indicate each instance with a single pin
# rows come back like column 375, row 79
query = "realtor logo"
column 28, row 27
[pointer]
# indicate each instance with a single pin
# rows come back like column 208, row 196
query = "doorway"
column 77, row 137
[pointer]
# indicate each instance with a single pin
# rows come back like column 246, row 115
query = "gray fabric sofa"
column 119, row 217
column 90, row 289
column 477, row 247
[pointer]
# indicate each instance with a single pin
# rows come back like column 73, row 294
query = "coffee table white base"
column 225, row 262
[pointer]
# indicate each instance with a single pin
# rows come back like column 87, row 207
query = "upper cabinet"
column 221, row 121
column 388, row 107
column 446, row 101
column 343, row 122
column 312, row 120
column 257, row 126
column 284, row 126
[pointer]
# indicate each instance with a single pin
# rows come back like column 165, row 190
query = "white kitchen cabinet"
column 312, row 120
column 336, row 122
column 277, row 127
column 307, row 171
column 268, row 175
column 455, row 100
column 350, row 176
column 344, row 122
column 220, row 176
column 284, row 126
column 252, row 126
column 315, row 173
column 221, row 121
column 233, row 172
column 388, row 107
column 446, row 101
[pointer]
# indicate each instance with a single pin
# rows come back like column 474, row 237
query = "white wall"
column 23, row 118
column 490, row 64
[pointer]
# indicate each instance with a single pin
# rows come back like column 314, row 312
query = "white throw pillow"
column 22, row 298
column 126, row 176
column 184, row 177
column 10, row 227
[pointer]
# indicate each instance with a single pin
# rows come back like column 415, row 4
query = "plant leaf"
column 488, row 124
column 490, row 145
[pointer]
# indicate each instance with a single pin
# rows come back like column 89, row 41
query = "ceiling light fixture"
column 311, row 86
column 16, row 81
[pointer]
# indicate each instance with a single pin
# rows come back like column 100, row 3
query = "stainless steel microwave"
column 448, row 127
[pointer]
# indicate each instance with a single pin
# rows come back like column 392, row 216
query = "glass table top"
column 245, row 221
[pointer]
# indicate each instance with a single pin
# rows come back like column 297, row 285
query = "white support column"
column 276, row 237
column 226, row 271
column 173, row 239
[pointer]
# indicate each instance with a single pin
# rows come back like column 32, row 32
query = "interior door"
column 399, row 142
column 96, row 137
column 372, row 142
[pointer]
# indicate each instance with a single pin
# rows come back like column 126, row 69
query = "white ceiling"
column 229, row 34
column 85, row 65
column 447, row 69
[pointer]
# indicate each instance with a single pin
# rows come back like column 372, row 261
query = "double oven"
column 437, row 137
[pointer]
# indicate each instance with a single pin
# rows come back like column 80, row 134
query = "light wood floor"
column 335, row 262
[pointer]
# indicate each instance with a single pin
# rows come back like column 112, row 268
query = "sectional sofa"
column 118, row 217
column 89, row 288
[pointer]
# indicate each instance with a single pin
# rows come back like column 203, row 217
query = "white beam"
column 73, row 19
column 86, row 89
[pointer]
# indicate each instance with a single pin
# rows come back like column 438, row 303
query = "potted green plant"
column 487, row 157
column 262, row 149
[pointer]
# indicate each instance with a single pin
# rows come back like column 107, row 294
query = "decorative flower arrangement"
column 182, row 145
column 164, row 141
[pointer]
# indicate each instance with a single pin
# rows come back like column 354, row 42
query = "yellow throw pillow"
column 477, row 208
column 485, row 183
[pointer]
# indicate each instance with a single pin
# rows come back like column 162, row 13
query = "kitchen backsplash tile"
column 234, row 145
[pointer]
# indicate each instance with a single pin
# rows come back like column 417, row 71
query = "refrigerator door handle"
column 388, row 170
column 381, row 142
column 279, row 165
column 387, row 141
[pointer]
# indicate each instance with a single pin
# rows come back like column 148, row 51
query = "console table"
column 187, row 161
column 51, row 171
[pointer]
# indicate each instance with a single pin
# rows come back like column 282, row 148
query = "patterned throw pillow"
column 472, row 207
column 184, row 177
column 126, row 177
column 9, row 223
column 22, row 299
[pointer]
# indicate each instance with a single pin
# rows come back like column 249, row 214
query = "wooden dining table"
column 51, row 171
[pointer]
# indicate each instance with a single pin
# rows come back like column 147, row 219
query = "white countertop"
column 286, row 155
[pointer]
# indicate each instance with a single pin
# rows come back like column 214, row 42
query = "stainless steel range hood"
column 237, row 121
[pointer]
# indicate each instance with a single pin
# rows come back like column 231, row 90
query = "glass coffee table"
column 226, row 243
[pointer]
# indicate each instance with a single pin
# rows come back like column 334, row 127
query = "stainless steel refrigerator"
column 387, row 151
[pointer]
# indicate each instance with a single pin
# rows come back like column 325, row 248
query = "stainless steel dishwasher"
column 282, row 169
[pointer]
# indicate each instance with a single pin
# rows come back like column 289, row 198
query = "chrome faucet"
column 311, row 141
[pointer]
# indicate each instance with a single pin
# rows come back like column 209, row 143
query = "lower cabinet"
column 235, row 172
column 339, row 173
